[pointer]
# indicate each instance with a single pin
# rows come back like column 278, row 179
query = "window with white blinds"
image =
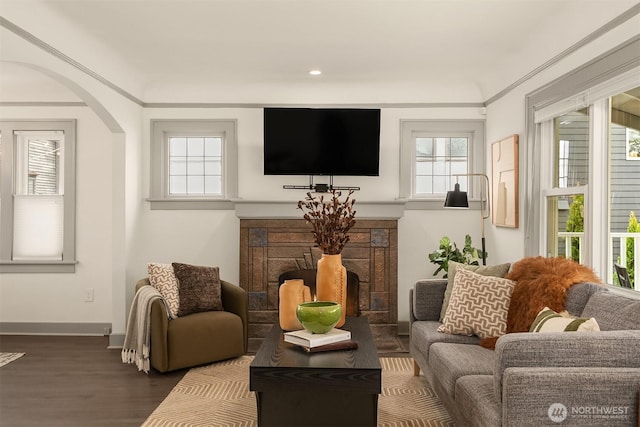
column 37, row 193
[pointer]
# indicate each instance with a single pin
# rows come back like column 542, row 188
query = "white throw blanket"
column 138, row 336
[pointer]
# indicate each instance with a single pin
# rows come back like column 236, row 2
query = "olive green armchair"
column 199, row 338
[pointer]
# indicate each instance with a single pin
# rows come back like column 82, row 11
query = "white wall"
column 60, row 297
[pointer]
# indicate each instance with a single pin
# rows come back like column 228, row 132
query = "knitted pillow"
column 199, row 288
column 499, row 270
column 162, row 278
column 478, row 305
column 550, row 321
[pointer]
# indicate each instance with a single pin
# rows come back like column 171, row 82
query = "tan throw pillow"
column 550, row 321
column 199, row 288
column 478, row 306
column 499, row 270
column 162, row 278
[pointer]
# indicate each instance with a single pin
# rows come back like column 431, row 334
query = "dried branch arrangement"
column 331, row 220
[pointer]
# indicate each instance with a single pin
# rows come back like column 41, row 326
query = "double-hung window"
column 193, row 164
column 38, row 196
column 437, row 154
column 584, row 179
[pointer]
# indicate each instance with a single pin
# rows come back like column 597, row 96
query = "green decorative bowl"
column 319, row 317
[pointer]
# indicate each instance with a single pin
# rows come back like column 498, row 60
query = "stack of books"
column 335, row 339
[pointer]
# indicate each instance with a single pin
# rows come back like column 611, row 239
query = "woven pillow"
column 478, row 305
column 199, row 288
column 550, row 321
column 162, row 278
column 499, row 270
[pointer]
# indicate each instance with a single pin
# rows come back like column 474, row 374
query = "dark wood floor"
column 77, row 381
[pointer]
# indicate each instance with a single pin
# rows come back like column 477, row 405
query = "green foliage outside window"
column 575, row 222
column 634, row 227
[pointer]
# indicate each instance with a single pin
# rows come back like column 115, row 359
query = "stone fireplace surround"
column 272, row 246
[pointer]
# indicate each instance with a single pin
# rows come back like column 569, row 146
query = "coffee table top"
column 274, row 352
column 287, row 365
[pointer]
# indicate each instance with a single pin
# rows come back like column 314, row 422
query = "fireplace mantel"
column 249, row 209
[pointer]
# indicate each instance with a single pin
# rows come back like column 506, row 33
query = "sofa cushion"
column 162, row 278
column 450, row 362
column 577, row 296
column 477, row 401
column 425, row 333
column 199, row 288
column 478, row 305
column 613, row 312
column 426, row 298
column 550, row 321
column 485, row 270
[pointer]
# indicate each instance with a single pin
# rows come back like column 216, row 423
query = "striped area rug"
column 6, row 358
column 218, row 395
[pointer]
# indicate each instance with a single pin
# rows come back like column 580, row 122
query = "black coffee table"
column 335, row 388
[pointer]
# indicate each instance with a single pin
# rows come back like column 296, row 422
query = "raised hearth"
column 270, row 247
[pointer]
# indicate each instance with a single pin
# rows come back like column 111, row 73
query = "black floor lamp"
column 458, row 199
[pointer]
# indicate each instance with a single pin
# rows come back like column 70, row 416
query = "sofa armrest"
column 426, row 299
column 577, row 396
column 235, row 300
column 605, row 349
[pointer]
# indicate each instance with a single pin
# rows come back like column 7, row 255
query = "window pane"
column 572, row 149
column 213, row 147
column 177, row 146
column 178, row 166
column 213, row 184
column 212, row 167
column 624, row 186
column 195, row 166
column 424, row 147
column 459, row 147
column 195, row 147
column 424, row 185
column 195, row 184
column 424, row 168
column 178, row 185
column 566, row 226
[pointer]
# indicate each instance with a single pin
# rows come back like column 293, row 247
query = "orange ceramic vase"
column 331, row 282
column 291, row 293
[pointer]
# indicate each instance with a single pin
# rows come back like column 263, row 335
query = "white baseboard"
column 55, row 328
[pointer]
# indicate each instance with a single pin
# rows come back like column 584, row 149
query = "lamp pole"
column 482, row 208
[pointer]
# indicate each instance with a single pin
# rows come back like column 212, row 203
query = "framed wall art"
column 504, row 167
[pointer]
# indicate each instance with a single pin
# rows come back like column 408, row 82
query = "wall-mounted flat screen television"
column 321, row 141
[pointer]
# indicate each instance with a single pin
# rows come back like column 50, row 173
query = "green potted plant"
column 448, row 251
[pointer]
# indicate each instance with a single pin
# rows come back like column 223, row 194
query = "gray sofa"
column 534, row 379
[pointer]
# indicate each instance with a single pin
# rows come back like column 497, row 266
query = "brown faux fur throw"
column 540, row 282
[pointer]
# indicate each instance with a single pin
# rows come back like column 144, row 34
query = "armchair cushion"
column 162, row 278
column 199, row 288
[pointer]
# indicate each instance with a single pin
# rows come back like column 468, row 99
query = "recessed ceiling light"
column 315, row 72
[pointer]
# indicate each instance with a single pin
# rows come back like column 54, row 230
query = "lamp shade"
column 456, row 198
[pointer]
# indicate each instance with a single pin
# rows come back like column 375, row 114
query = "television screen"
column 321, row 141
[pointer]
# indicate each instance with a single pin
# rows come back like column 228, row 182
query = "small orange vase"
column 331, row 282
column 291, row 293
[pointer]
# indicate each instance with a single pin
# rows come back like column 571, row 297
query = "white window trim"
column 68, row 262
column 470, row 128
column 160, row 199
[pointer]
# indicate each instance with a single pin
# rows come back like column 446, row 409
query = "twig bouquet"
column 331, row 220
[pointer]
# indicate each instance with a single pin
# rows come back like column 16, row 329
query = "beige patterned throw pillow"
column 164, row 280
column 478, row 305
